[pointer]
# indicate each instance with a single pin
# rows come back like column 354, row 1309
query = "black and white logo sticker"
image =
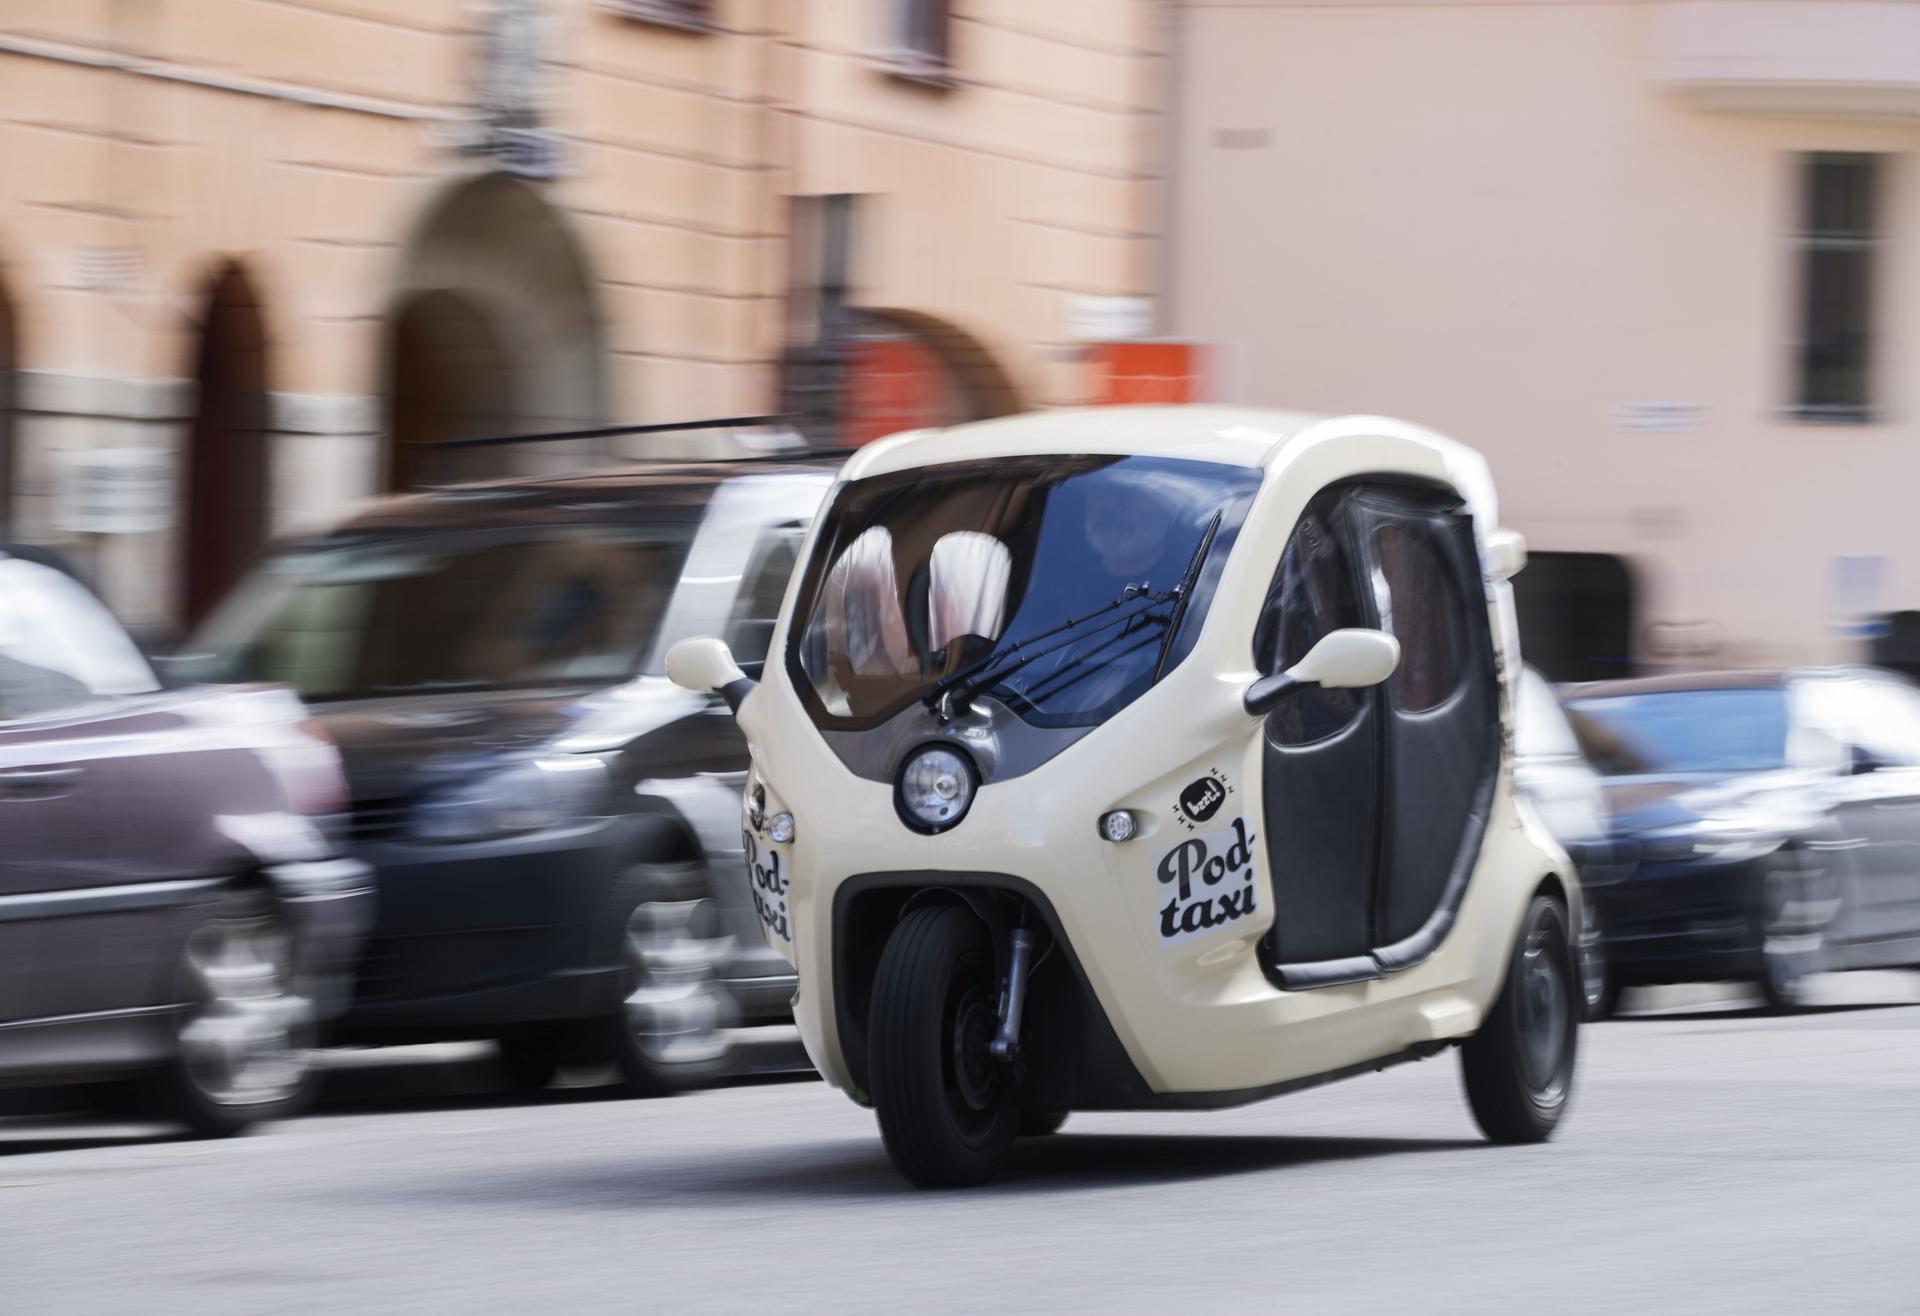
column 1202, row 799
column 1207, row 883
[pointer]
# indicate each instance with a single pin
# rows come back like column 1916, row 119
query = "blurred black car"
column 1774, row 819
column 555, row 825
column 172, row 908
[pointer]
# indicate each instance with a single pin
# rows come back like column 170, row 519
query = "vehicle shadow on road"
column 857, row 1170
column 1755, row 1013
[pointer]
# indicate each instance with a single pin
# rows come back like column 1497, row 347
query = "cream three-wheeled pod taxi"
column 1151, row 757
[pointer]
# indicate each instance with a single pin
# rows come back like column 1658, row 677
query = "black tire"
column 1041, row 1123
column 669, row 1031
column 1519, row 1067
column 948, row 1111
column 1599, row 984
column 244, row 1034
column 1792, row 949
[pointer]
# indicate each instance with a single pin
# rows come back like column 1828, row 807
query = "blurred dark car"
column 1775, row 822
column 1554, row 776
column 556, row 826
column 171, row 908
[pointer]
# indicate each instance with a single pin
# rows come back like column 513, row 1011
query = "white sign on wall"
column 1108, row 319
column 1660, row 416
column 113, row 491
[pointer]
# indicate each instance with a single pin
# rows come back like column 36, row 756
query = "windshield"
column 922, row 573
column 529, row 606
column 1714, row 732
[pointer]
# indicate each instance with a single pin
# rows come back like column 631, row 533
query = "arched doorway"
column 493, row 330
column 452, row 379
column 225, row 504
column 908, row 370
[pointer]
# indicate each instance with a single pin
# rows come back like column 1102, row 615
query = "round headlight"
column 936, row 787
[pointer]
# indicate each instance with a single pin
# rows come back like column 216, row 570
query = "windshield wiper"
column 952, row 692
column 1185, row 592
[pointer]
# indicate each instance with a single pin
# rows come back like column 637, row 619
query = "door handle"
column 28, row 779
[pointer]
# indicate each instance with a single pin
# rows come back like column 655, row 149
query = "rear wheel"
column 1519, row 1067
column 242, row 1050
column 671, row 1031
column 1796, row 907
column 948, row 1111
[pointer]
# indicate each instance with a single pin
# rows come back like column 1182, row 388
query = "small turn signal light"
column 1117, row 826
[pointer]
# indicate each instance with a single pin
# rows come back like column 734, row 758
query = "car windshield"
column 458, row 610
column 1675, row 732
column 920, row 577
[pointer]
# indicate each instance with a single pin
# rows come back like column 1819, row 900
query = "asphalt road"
column 1716, row 1160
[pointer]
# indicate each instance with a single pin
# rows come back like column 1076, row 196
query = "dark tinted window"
column 535, row 605
column 1838, row 236
column 1418, row 605
column 1683, row 731
column 1312, row 594
column 921, row 573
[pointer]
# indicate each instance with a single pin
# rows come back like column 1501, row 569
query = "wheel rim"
column 1546, row 1026
column 972, row 1077
column 1795, row 928
column 243, row 1037
column 676, row 1010
column 1593, row 970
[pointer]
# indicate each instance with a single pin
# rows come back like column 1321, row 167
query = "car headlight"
column 530, row 796
column 935, row 789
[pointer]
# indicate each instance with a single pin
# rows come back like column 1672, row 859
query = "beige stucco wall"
column 144, row 145
column 1510, row 219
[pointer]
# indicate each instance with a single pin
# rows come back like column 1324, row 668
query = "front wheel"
column 672, row 1030
column 948, row 1111
column 242, row 1050
column 1519, row 1067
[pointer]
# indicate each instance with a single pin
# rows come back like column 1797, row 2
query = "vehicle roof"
column 1767, row 678
column 1240, row 436
column 579, row 497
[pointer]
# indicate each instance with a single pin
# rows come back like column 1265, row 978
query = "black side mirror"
column 1862, row 760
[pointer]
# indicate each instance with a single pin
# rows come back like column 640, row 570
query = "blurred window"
column 59, row 646
column 1837, row 242
column 1418, row 605
column 922, row 43
column 1312, row 593
column 1870, row 714
column 692, row 15
column 765, row 585
column 425, row 612
column 1683, row 732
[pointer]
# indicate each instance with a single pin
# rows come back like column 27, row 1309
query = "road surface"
column 1715, row 1160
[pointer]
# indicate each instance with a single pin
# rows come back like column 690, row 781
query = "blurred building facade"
column 254, row 253
column 1649, row 255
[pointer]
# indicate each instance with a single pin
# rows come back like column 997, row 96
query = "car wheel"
column 1600, row 988
column 948, row 1111
column 245, row 1030
column 1519, row 1067
column 1795, row 911
column 671, row 1032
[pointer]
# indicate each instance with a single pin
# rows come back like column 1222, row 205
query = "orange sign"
column 1148, row 372
column 894, row 384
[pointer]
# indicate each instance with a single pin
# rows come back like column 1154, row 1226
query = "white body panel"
column 1198, row 1014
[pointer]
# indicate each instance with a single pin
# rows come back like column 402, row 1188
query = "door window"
column 1419, row 606
column 59, row 646
column 1312, row 594
column 765, row 585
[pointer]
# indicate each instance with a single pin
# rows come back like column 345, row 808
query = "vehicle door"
column 1320, row 779
column 1439, row 712
column 91, row 823
column 1876, row 797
